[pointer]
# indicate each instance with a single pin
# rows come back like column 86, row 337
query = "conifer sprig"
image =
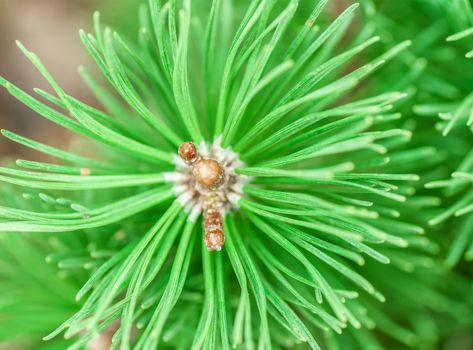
column 325, row 211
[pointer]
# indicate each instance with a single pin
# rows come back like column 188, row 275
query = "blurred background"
column 50, row 29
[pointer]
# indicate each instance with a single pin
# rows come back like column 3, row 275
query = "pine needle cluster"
column 334, row 242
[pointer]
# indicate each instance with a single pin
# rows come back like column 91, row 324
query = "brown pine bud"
column 208, row 174
column 214, row 239
column 212, row 218
column 188, row 152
